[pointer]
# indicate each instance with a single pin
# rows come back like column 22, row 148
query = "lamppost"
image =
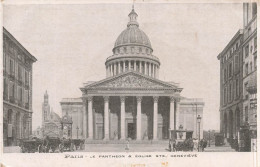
column 199, row 119
column 209, row 138
column 77, row 132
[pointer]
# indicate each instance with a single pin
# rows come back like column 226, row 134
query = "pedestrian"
column 127, row 144
column 173, row 145
column 196, row 144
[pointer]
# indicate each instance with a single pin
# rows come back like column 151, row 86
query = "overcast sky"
column 72, row 42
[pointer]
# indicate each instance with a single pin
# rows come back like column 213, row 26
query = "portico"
column 130, row 105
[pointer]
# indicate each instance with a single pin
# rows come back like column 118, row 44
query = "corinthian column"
column 145, row 68
column 138, row 117
column 172, row 108
column 90, row 118
column 84, row 113
column 177, row 101
column 155, row 116
column 106, row 117
column 140, row 67
column 123, row 66
column 114, row 68
column 122, row 117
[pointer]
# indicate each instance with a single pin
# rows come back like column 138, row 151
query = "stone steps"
column 124, row 141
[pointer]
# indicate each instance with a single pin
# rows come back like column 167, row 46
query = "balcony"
column 5, row 96
column 20, row 82
column 26, row 84
column 27, row 106
column 12, row 99
column 20, row 103
column 12, row 76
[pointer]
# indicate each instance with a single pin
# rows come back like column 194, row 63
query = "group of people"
column 187, row 145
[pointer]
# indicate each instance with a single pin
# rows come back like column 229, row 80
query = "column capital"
column 84, row 100
column 139, row 99
column 106, row 98
column 174, row 99
column 155, row 99
column 90, row 98
column 122, row 99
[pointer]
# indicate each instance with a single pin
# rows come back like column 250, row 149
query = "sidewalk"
column 214, row 148
column 12, row 149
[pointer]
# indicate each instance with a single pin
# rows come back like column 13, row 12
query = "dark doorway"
column 189, row 135
column 131, row 130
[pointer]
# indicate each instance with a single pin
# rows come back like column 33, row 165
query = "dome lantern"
column 132, row 15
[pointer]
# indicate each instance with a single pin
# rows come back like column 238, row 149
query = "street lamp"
column 181, row 133
column 199, row 119
column 209, row 138
column 77, row 132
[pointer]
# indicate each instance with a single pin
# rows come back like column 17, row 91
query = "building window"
column 21, row 94
column 255, row 61
column 19, row 72
column 246, row 51
column 124, row 49
column 4, row 61
column 246, row 113
column 246, row 69
column 132, row 49
column 236, row 63
column 254, row 9
column 230, row 70
column 230, row 92
column 225, row 74
column 140, row 50
column 26, row 78
column 225, row 92
column 12, row 67
column 251, row 67
column 255, row 43
column 237, row 88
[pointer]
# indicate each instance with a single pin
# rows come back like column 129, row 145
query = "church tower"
column 45, row 108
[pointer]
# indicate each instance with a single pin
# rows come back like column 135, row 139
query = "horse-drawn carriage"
column 30, row 145
column 51, row 145
column 61, row 145
column 180, row 141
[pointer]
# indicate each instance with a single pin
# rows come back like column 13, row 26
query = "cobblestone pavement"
column 213, row 148
column 122, row 148
column 132, row 148
column 12, row 149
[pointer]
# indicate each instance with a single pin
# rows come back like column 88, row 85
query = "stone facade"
column 238, row 101
column 250, row 71
column 17, row 94
column 132, row 102
column 231, row 86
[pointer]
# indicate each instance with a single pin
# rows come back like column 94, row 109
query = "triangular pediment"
column 131, row 80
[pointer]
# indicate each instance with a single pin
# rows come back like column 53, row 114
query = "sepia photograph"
column 129, row 77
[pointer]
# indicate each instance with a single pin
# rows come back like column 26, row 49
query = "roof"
column 71, row 100
column 131, row 80
column 10, row 36
column 231, row 42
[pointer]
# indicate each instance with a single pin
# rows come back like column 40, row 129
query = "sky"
column 72, row 42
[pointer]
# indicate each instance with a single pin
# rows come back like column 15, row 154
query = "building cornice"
column 11, row 37
column 235, row 37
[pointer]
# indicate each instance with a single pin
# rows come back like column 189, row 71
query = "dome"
column 133, row 35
